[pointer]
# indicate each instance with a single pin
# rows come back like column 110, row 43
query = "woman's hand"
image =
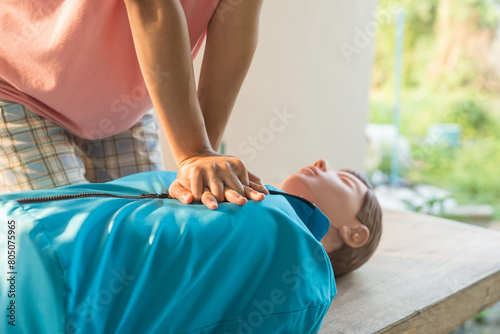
column 213, row 178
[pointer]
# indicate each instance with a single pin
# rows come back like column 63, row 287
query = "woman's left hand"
column 212, row 178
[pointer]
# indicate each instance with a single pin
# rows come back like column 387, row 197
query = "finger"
column 240, row 170
column 209, row 199
column 254, row 178
column 197, row 183
column 232, row 182
column 216, row 187
column 176, row 190
column 259, row 187
column 253, row 194
column 257, row 180
column 233, row 197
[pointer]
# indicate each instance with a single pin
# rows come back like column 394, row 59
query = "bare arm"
column 231, row 42
column 161, row 40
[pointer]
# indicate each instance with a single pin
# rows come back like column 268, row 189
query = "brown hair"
column 347, row 259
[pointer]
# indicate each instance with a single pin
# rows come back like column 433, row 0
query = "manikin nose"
column 321, row 164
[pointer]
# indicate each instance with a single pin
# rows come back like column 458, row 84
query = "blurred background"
column 435, row 114
column 407, row 92
column 449, row 136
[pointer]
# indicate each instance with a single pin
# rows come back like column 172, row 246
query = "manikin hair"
column 347, row 259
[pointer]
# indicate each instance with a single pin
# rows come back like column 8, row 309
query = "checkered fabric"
column 36, row 153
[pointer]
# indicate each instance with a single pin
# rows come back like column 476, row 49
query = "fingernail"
column 259, row 195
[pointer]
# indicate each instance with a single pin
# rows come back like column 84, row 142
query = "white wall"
column 300, row 70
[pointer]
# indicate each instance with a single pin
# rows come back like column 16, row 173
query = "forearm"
column 231, row 42
column 161, row 39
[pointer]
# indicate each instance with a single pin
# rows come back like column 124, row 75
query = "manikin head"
column 348, row 200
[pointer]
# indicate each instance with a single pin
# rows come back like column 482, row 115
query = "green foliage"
column 474, row 177
column 487, row 16
column 470, row 171
column 385, row 162
column 481, row 317
column 421, row 34
column 430, row 203
column 419, row 16
column 474, row 119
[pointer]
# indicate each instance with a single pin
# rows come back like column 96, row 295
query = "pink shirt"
column 74, row 61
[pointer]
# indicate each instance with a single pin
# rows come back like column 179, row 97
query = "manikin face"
column 339, row 195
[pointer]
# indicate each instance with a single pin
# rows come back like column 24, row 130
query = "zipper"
column 308, row 202
column 81, row 195
column 142, row 196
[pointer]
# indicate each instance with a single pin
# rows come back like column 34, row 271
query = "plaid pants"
column 36, row 153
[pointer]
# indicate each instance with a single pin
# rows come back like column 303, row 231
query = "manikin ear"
column 354, row 237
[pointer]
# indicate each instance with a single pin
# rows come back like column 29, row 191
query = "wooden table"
column 428, row 275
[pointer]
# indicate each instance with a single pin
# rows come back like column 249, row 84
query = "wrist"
column 200, row 152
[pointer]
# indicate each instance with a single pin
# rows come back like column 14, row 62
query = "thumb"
column 176, row 190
